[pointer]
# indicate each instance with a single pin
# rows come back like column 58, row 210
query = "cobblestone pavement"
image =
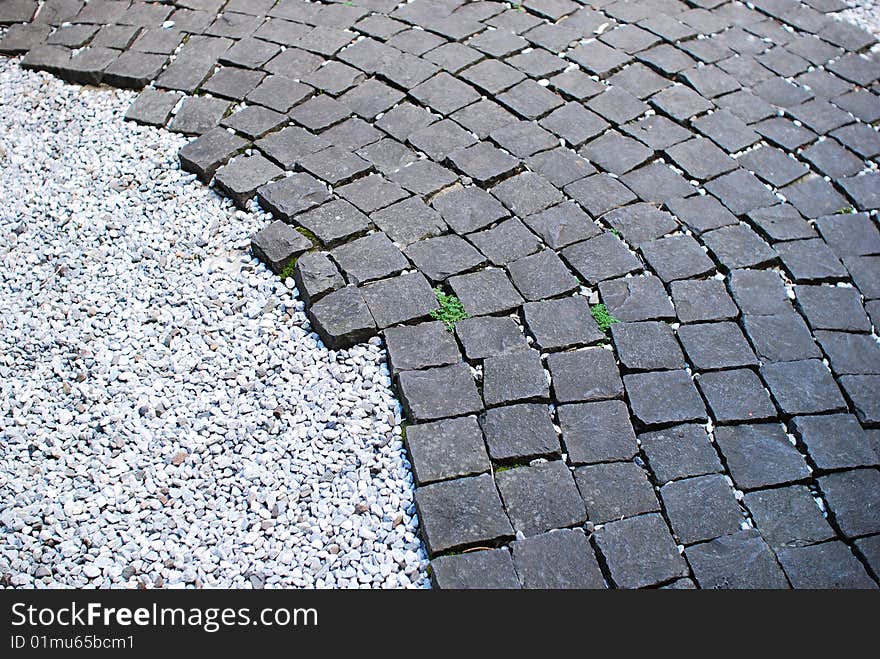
column 706, row 170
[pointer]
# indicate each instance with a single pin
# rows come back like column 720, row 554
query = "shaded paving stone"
column 637, row 298
column 319, row 112
column 352, row 134
column 529, row 100
column 679, row 451
column 523, row 138
column 832, row 308
column 240, row 178
column 541, row 497
column 574, row 123
column 234, row 83
column 371, row 192
column 387, row 155
column 741, row 192
column 775, row 166
column 639, row 223
column 788, row 516
column 784, row 133
column 663, row 397
column 827, row 565
column 759, row 292
column 701, row 508
column 467, row 209
column 205, row 154
column 597, row 432
column 810, row 260
column 514, row 377
column 485, row 292
column 441, row 392
column 560, row 166
column 519, row 432
column 334, row 165
column 506, row 242
column 850, row 354
column 814, row 197
column 526, row 193
column 46, row 58
column 862, row 190
column 701, row 213
column 600, row 258
column 834, row 441
column 315, row 276
column 780, row 338
column 342, row 319
column 400, row 299
column 133, row 70
column 646, row 346
column 853, row 498
column 657, row 183
column 461, row 512
column 153, row 107
column 290, row 145
column 483, row 162
column 727, row 130
column 87, row 66
column 781, row 222
column 492, row 76
column 408, row 221
column 656, row 132
column 292, row 195
column 584, row 376
column 738, row 560
column 23, row 37
column 444, row 93
column 677, row 257
column 617, row 105
column 542, row 275
column 279, row 244
column 680, row 102
column 423, row 177
column 198, row 115
column 483, row 117
column 711, row 346
column 600, row 193
column 412, row 347
column 640, row 551
column 562, row 225
column 446, row 449
column 371, row 257
column 735, row 396
column 639, row 80
column 444, row 256
column 802, row 387
column 738, row 247
column 700, row 158
column 338, row 220
column 440, row 139
column 760, row 455
column 489, row 336
column 489, row 568
column 557, row 559
column 701, row 300
column 615, row 490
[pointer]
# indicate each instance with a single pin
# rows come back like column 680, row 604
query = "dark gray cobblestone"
column 718, row 195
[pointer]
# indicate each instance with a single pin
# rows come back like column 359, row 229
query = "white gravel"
column 166, row 416
column 864, row 13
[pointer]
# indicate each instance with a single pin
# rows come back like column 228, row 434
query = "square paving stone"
column 741, row 192
column 292, row 195
column 315, row 276
column 492, row 76
column 423, row 177
column 574, row 123
column 639, row 80
column 483, row 117
column 342, row 319
column 542, row 275
column 485, row 292
column 489, row 568
column 519, row 433
column 832, row 308
column 854, row 499
column 560, row 166
column 562, row 225
column 576, row 84
column 46, row 58
column 759, row 292
column 701, row 213
column 209, row 151
column 701, row 159
column 861, row 189
column 436, row 393
column 506, row 242
column 597, row 432
column 279, row 244
column 677, row 257
column 640, row 551
column 541, row 497
column 523, row 138
column 810, row 260
column 152, row 107
column 444, row 93
column 408, row 221
column 600, row 258
column 23, row 37
column 760, row 455
column 441, row 139
column 835, row 441
column 372, row 192
column 198, row 115
column 645, row 346
column 529, row 100
column 387, row 155
column 453, row 56
column 370, row 98
column 134, row 70
column 735, row 396
column 489, row 336
column 802, row 387
column 446, row 449
column 656, row 131
column 701, row 508
column 850, row 354
column 727, row 130
column 657, row 183
column 368, row 258
column 319, row 112
column 640, row 223
column 788, row 516
column 780, row 337
column 712, row 346
column 526, row 193
column 738, row 247
column 240, row 178
column 710, row 81
column 467, row 209
column 232, row 82
column 679, row 451
column 352, row 134
column 617, row 105
column 781, row 222
column 461, row 512
column 584, row 375
column 289, row 145
column 615, row 490
column 776, row 167
column 698, row 300
column 859, row 138
column 680, row 102
column 334, row 165
column 337, row 220
column 556, row 560
column 827, row 565
column 419, row 346
column 483, row 162
column 514, row 377
column 738, row 560
column 636, row 298
column 664, row 397
column 400, row 299
column 404, row 119
column 599, row 59
column 814, row 197
column 444, row 256
column 537, row 63
column 562, row 323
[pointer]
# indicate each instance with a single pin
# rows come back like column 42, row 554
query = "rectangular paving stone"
column 446, row 449
column 334, row 165
column 600, row 258
column 802, row 387
column 788, row 516
column 368, row 258
column 488, row 336
column 615, row 490
column 645, row 346
column 597, row 432
column 254, row 121
column 315, row 276
column 698, row 300
column 489, row 568
column 541, row 497
column 760, row 455
column 436, row 393
column 716, row 346
column 287, row 146
column 701, row 508
column 401, row 299
column 780, row 337
column 483, row 162
column 679, row 451
column 485, row 292
column 523, row 138
column 133, row 70
column 700, row 158
column 240, row 178
column 826, row 565
column 556, row 560
column 657, row 183
column 541, row 275
column 279, row 244
column 198, row 115
column 736, row 395
column 781, row 222
column 562, row 323
column 738, row 560
column 23, row 37
column 810, row 261
column 526, row 194
column 461, row 512
column 419, row 346
column 518, row 433
column 342, row 319
column 514, row 377
column 664, row 397
column 853, row 499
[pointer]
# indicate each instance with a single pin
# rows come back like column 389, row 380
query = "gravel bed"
column 167, row 418
column 864, row 13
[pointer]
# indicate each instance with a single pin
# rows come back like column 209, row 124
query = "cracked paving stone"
column 461, row 512
column 780, row 338
column 584, row 376
column 436, row 393
column 335, row 221
column 489, row 336
column 279, row 244
column 342, row 319
column 834, row 441
column 371, row 257
column 663, row 397
column 615, row 490
column 701, row 213
column 541, row 497
column 600, row 258
column 597, row 432
column 826, row 565
column 850, row 354
column 205, row 154
column 400, row 299
column 680, row 451
column 700, row 300
column 489, row 568
column 802, row 387
column 781, row 222
column 738, row 560
column 315, row 276
column 334, row 165
column 832, row 308
column 701, row 508
column 198, row 114
column 639, row 551
column 735, row 396
column 711, row 346
column 557, row 559
column 810, row 261
column 677, row 257
column 633, row 299
column 446, row 449
column 760, row 455
column 413, row 347
column 562, row 225
column 408, row 221
column 645, row 346
column 542, row 275
column 485, row 292
column 506, row 242
column 483, row 162
column 441, row 257
column 289, row 145
column 519, row 433
column 788, row 516
column 738, row 246
column 292, row 195
column 639, row 223
column 854, row 499
column 514, row 377
column 240, row 178
column 467, row 209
